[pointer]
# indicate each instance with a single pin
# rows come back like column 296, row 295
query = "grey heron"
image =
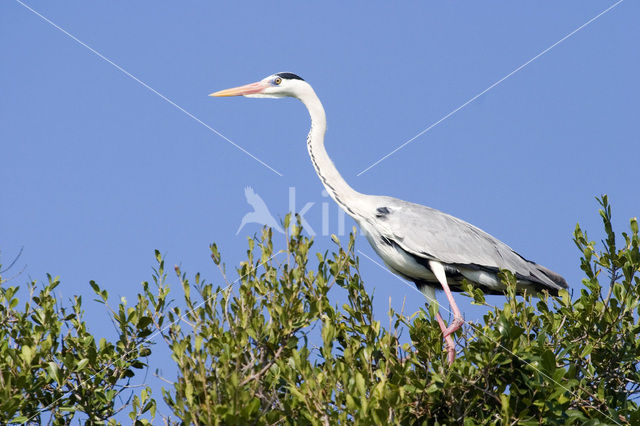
column 421, row 244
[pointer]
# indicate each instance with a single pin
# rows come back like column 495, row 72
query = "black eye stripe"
column 289, row 76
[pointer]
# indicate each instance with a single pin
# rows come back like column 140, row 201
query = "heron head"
column 280, row 85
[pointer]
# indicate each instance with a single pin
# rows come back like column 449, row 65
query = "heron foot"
column 453, row 327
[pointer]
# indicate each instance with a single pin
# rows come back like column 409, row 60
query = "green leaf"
column 54, row 372
column 27, row 354
column 360, row 383
column 82, row 364
column 548, row 360
column 144, row 322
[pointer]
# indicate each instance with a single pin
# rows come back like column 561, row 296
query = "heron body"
column 421, row 244
column 398, row 235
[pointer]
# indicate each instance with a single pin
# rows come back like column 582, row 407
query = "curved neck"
column 345, row 196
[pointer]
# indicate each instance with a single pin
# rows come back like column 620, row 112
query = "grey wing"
column 434, row 235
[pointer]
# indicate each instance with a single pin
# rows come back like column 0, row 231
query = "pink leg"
column 438, row 271
column 451, row 347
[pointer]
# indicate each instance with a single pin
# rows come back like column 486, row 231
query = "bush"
column 271, row 348
column 52, row 368
column 251, row 356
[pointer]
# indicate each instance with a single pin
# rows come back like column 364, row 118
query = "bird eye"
column 277, row 81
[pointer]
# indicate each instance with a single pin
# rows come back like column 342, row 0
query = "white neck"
column 346, row 197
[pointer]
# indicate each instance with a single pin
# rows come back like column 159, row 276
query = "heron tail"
column 557, row 279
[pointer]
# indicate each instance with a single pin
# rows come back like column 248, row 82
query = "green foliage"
column 248, row 356
column 52, row 368
column 272, row 348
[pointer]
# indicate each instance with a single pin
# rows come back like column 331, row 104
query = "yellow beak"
column 248, row 89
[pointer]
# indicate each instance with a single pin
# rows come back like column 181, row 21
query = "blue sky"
column 98, row 170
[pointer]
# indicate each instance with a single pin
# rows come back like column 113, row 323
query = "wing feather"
column 434, row 235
